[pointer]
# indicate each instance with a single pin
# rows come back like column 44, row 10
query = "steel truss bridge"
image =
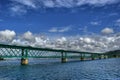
column 25, row 52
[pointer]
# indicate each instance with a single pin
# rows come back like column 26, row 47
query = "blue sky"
column 82, row 25
column 65, row 17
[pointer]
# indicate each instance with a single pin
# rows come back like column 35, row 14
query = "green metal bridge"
column 25, row 52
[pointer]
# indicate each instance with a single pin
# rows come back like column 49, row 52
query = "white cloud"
column 28, row 36
column 53, row 30
column 107, row 31
column 78, row 3
column 48, row 3
column 64, row 29
column 18, row 10
column 39, row 41
column 30, row 39
column 117, row 23
column 29, row 3
column 88, row 40
column 20, row 42
column 94, row 43
column 7, row 35
column 20, row 7
column 64, row 3
column 95, row 23
column 96, row 2
column 61, row 40
column 36, row 4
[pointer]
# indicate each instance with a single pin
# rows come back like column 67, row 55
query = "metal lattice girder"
column 43, row 54
column 9, row 52
column 43, row 49
column 78, row 55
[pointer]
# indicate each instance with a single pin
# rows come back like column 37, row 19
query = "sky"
column 84, row 24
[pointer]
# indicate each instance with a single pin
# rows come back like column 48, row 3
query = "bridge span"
column 26, row 52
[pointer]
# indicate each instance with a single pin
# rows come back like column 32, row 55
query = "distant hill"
column 115, row 53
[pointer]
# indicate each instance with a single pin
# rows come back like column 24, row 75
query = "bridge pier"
column 105, row 56
column 92, row 57
column 82, row 58
column 115, row 56
column 24, row 61
column 64, row 60
column 64, row 57
column 100, row 57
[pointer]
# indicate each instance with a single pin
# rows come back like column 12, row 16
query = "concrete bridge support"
column 64, row 57
column 105, row 56
column 82, row 57
column 100, row 57
column 64, row 60
column 92, row 57
column 24, row 59
column 116, row 56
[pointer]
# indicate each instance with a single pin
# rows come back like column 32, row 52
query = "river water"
column 53, row 69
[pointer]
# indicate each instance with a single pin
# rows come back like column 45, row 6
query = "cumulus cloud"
column 7, row 35
column 41, row 41
column 107, row 31
column 87, row 40
column 88, row 43
column 19, row 42
column 61, row 40
column 30, row 39
column 28, row 36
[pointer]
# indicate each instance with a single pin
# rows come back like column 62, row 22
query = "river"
column 53, row 69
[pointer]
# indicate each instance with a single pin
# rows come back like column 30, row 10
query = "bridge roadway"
column 25, row 52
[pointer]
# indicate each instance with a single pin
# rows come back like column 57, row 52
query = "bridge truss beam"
column 25, row 52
